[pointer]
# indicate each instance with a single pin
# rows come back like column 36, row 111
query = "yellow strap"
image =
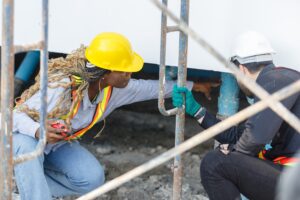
column 97, row 115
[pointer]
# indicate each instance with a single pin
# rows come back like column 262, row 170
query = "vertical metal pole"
column 180, row 116
column 43, row 87
column 162, row 67
column 7, row 88
column 44, row 72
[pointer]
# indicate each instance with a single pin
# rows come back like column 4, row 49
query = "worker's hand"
column 226, row 148
column 205, row 87
column 191, row 105
column 53, row 135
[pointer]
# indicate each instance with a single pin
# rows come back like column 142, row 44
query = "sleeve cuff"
column 32, row 129
column 200, row 113
column 189, row 85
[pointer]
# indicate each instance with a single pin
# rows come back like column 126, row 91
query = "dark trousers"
column 227, row 176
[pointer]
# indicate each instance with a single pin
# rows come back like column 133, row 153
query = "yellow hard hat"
column 112, row 51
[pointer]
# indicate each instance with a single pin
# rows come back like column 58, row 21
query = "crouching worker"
column 83, row 89
column 242, row 164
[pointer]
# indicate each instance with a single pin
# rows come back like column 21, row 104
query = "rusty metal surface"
column 182, row 72
column 180, row 117
column 7, row 88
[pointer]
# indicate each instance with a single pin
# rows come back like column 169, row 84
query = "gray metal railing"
column 181, row 81
column 7, row 96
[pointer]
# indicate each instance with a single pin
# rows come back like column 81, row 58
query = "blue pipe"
column 228, row 102
column 171, row 73
column 28, row 66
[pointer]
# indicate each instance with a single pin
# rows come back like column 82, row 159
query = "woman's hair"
column 58, row 69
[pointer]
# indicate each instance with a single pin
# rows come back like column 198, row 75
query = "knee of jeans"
column 92, row 179
column 210, row 164
column 23, row 144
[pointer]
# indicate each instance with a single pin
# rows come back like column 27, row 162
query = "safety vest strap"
column 281, row 160
column 97, row 115
column 76, row 80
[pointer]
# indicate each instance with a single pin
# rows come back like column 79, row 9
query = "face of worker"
column 118, row 79
column 246, row 91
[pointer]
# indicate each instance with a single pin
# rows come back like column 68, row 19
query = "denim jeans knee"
column 23, row 144
column 93, row 179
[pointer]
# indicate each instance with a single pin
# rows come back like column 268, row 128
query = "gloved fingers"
column 182, row 89
column 177, row 103
column 179, row 89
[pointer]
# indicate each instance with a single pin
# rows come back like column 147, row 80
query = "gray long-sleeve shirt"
column 135, row 91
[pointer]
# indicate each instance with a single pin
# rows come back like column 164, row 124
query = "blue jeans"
column 70, row 170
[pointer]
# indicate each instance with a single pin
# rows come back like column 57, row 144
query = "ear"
column 244, row 69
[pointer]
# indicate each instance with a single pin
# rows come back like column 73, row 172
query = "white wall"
column 75, row 22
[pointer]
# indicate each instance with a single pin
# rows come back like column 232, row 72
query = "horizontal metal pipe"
column 172, row 29
column 193, row 141
column 277, row 107
column 29, row 47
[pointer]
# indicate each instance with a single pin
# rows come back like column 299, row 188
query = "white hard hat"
column 252, row 47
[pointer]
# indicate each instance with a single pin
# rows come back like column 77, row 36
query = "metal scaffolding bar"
column 162, row 67
column 7, row 88
column 182, row 71
column 193, row 141
column 44, row 84
column 28, row 47
column 180, row 116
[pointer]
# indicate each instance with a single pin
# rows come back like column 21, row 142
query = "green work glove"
column 191, row 105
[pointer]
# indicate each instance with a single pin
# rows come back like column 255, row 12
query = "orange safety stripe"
column 75, row 109
column 282, row 160
column 97, row 115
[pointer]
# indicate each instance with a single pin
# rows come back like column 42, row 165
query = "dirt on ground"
column 131, row 139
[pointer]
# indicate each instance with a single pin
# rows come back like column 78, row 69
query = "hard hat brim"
column 136, row 64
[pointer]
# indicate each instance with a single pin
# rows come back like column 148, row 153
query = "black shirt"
column 266, row 126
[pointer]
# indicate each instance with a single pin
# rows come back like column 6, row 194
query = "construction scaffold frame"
column 7, row 96
column 7, row 69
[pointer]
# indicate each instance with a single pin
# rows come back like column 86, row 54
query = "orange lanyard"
column 97, row 115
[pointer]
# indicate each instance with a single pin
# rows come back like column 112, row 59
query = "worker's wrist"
column 200, row 113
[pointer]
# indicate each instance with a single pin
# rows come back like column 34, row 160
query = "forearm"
column 229, row 136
